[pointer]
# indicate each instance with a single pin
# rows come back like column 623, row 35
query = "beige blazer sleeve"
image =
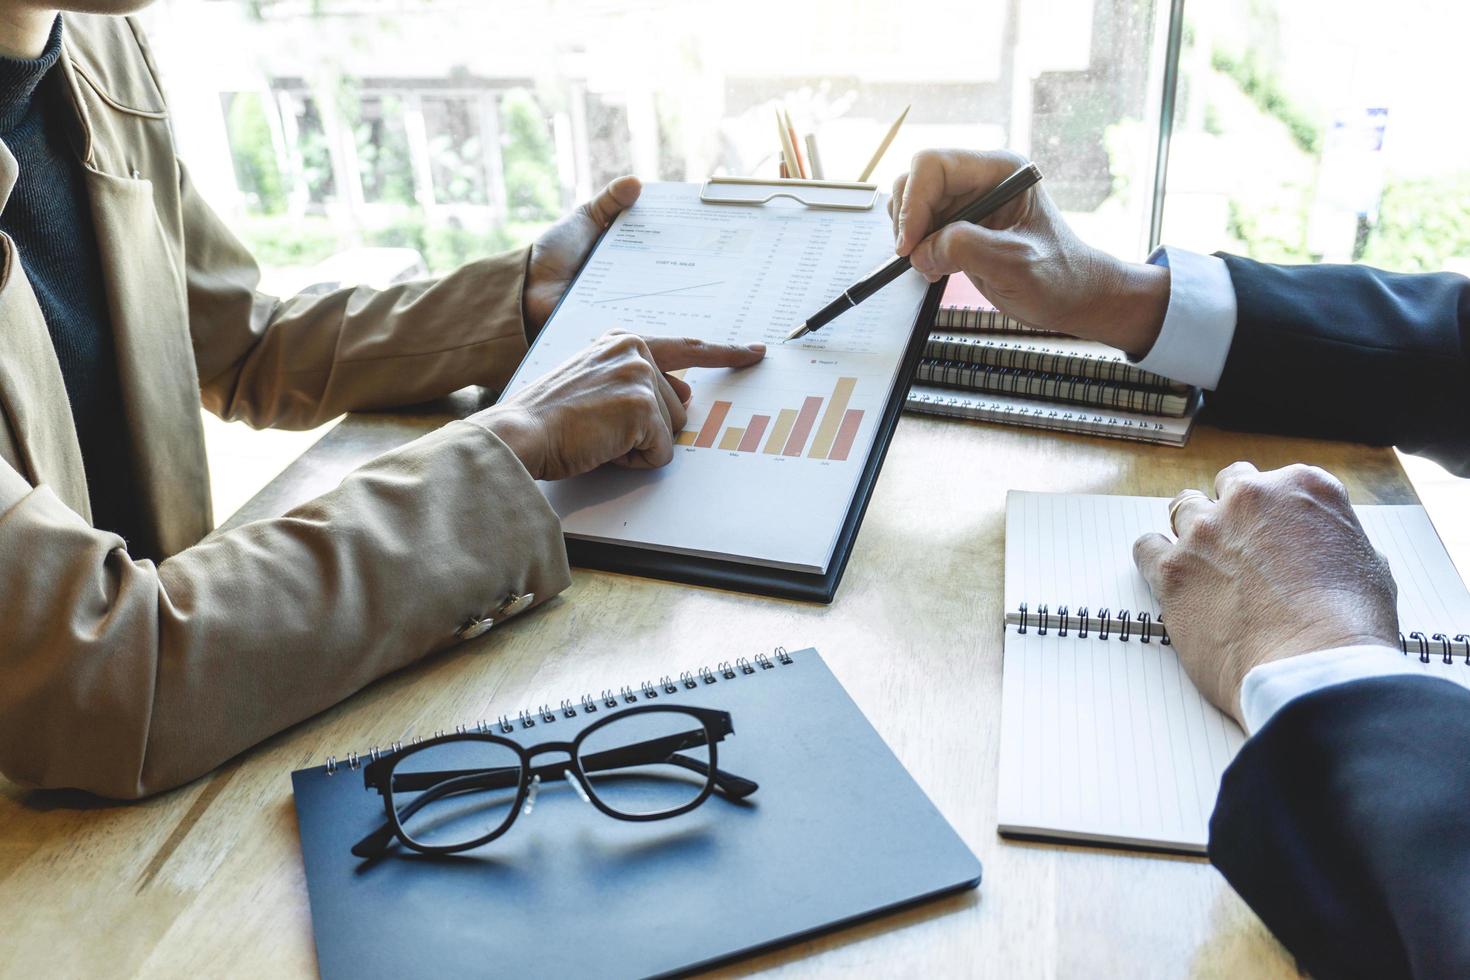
column 125, row 679
column 298, row 362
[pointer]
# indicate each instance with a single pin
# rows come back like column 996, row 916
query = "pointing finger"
column 676, row 353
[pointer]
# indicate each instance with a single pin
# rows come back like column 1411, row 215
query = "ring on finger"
column 1179, row 501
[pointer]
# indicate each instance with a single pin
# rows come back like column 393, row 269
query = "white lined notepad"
column 1106, row 740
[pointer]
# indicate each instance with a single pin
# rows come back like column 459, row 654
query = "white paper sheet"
column 672, row 266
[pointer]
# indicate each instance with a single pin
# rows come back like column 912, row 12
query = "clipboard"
column 819, row 195
column 764, row 579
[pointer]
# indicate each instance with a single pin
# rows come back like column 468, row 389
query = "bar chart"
column 822, row 427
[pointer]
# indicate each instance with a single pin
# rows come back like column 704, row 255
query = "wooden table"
column 207, row 880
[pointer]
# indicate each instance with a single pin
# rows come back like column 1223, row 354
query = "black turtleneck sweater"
column 48, row 216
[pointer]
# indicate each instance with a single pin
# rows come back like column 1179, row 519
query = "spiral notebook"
column 1036, row 414
column 1066, row 356
column 1103, row 738
column 963, row 307
column 837, row 832
column 982, row 365
column 1056, row 388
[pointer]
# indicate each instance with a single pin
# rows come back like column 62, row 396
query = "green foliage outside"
column 1421, row 224
column 376, row 122
column 444, row 247
column 382, row 151
column 1270, row 220
column 1263, row 88
column 315, row 155
column 280, row 241
column 456, row 150
column 1273, row 230
column 257, row 171
column 528, row 157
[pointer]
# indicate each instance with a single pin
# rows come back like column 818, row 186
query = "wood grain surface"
column 207, row 880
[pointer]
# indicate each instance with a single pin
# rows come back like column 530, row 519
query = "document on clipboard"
column 774, row 467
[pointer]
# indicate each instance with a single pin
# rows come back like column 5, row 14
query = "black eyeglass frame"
column 379, row 775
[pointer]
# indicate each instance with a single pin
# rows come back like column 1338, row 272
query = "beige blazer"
column 124, row 677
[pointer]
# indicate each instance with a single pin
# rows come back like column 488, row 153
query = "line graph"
column 677, row 292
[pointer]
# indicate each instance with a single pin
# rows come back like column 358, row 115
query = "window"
column 456, row 127
column 1323, row 130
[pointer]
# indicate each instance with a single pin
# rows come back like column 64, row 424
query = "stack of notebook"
column 981, row 364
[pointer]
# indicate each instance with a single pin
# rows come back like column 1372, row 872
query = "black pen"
column 991, row 202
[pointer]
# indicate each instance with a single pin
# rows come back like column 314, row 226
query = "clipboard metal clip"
column 820, row 195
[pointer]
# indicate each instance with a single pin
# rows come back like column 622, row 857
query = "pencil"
column 814, row 157
column 788, row 152
column 883, row 146
column 796, row 147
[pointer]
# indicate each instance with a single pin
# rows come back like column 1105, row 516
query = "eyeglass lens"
column 647, row 763
column 455, row 792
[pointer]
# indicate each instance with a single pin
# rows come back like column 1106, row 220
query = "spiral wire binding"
column 1025, row 356
column 1447, row 647
column 1050, row 386
column 1124, row 626
column 688, row 679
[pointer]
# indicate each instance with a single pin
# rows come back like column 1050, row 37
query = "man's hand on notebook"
column 558, row 253
column 1276, row 566
column 1025, row 258
column 614, row 402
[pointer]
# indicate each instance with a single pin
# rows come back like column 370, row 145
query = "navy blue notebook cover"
column 838, row 832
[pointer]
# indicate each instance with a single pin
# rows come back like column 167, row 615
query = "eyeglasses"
column 458, row 792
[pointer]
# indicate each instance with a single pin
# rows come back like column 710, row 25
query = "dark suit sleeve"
column 1350, row 352
column 1345, row 824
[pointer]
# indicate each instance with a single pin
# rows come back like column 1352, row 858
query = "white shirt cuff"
column 1200, row 323
column 1269, row 686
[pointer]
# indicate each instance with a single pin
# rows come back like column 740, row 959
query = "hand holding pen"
column 1021, row 179
column 1024, row 258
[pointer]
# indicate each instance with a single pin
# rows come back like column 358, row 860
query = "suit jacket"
column 1350, row 352
column 127, row 676
column 1344, row 824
